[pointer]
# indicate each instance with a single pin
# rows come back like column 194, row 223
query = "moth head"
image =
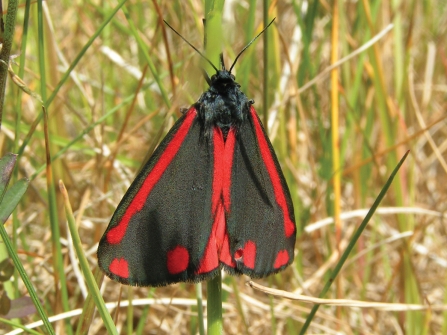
column 222, row 80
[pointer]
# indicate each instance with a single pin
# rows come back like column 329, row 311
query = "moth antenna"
column 207, row 77
column 204, row 33
column 222, row 61
column 250, row 43
column 192, row 46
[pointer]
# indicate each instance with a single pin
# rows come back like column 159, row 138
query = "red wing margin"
column 259, row 210
column 160, row 231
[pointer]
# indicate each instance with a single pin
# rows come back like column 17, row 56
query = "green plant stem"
column 144, row 314
column 89, row 308
column 200, row 308
column 214, row 305
column 41, row 49
column 6, row 50
column 265, row 39
column 213, row 33
column 352, row 242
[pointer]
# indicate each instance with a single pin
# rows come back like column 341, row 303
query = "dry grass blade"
column 346, row 302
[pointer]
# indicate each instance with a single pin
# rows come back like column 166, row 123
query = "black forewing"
column 254, row 215
column 177, row 212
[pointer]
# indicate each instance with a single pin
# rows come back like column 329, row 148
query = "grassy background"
column 124, row 93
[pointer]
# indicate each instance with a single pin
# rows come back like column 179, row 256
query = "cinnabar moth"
column 212, row 195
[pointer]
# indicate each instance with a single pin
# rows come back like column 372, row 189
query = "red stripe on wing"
column 218, row 162
column 218, row 245
column 210, row 258
column 225, row 254
column 227, row 167
column 116, row 234
column 289, row 226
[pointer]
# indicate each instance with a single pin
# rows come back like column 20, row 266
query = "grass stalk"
column 58, row 263
column 214, row 305
column 88, row 275
column 335, row 139
column 17, row 126
column 265, row 77
column 200, row 308
column 335, row 127
column 8, row 37
column 16, row 325
column 89, row 308
column 140, row 327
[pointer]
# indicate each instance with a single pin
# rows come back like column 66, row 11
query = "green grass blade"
column 12, row 198
column 58, row 264
column 353, row 241
column 17, row 325
column 88, row 310
column 140, row 327
column 89, row 278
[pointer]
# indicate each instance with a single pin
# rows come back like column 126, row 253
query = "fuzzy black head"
column 224, row 105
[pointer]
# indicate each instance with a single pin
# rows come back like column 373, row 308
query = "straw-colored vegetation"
column 113, row 84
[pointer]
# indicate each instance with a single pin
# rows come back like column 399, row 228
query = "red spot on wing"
column 116, row 234
column 177, row 260
column 289, row 226
column 281, row 259
column 119, row 267
column 247, row 254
